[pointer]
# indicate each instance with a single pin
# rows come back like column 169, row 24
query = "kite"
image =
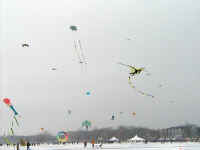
column 78, row 47
column 79, row 50
column 8, row 103
column 25, row 45
column 88, row 93
column 134, row 71
column 133, row 113
column 62, row 136
column 73, row 28
column 86, row 124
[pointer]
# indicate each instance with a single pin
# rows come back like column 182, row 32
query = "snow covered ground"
column 125, row 146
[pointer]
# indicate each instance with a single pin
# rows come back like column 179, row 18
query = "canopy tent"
column 113, row 139
column 136, row 139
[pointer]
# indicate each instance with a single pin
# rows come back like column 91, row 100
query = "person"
column 28, row 146
column 93, row 142
column 101, row 145
column 85, row 144
column 146, row 141
column 17, row 146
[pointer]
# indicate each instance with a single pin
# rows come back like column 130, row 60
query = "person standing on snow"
column 93, row 142
column 28, row 146
column 17, row 146
column 85, row 144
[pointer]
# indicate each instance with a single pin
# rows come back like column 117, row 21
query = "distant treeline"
column 123, row 133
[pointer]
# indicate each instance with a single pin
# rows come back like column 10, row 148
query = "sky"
column 164, row 38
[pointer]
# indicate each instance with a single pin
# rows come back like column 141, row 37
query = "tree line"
column 123, row 133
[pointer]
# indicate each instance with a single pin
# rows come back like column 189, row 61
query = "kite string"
column 139, row 91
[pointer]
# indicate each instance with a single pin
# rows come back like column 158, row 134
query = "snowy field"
column 125, row 146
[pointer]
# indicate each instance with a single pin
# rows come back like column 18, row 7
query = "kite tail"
column 139, row 91
column 76, row 49
column 16, row 121
column 12, row 131
column 143, row 93
column 147, row 72
column 13, row 109
column 123, row 64
column 12, row 123
column 130, row 82
column 6, row 140
column 81, row 50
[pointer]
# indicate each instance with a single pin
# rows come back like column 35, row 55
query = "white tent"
column 114, row 139
column 136, row 139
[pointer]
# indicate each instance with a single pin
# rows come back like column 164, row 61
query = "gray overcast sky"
column 164, row 39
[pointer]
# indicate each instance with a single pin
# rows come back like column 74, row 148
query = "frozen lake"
column 125, row 146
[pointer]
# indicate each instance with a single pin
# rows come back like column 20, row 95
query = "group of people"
column 92, row 142
column 27, row 146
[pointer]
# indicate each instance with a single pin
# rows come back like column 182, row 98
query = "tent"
column 113, row 139
column 136, row 139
